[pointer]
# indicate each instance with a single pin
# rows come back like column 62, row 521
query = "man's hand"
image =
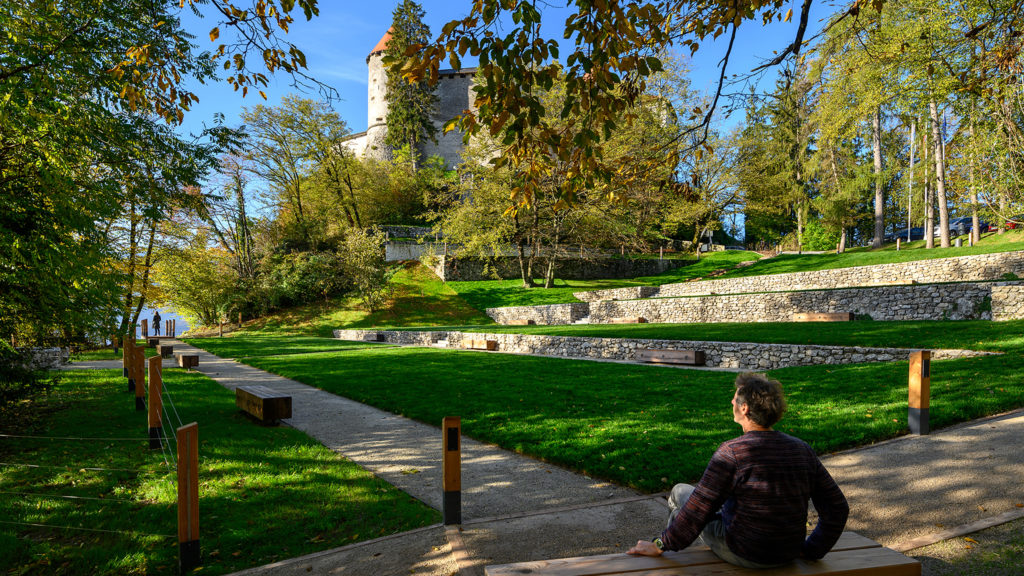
column 644, row 548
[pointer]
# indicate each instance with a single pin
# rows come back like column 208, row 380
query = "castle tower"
column 377, row 102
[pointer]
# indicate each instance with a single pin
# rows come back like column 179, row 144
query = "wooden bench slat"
column 478, row 344
column 823, row 317
column 853, row 555
column 628, row 320
column 265, row 404
column 688, row 357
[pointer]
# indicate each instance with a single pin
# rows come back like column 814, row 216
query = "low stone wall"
column 550, row 314
column 458, row 269
column 965, row 301
column 958, row 269
column 631, row 293
column 738, row 355
column 45, row 358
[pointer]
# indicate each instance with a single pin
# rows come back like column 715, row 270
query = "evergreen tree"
column 409, row 104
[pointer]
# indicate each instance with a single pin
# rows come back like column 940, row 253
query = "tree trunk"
column 975, row 222
column 876, row 142
column 926, row 204
column 842, row 241
column 940, row 176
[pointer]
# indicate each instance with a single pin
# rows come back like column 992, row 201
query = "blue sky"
column 337, row 42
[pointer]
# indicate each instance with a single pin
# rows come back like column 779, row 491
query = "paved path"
column 516, row 508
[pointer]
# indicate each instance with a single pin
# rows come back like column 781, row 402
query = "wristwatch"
column 659, row 544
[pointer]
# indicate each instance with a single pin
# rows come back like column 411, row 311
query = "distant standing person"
column 750, row 507
column 156, row 323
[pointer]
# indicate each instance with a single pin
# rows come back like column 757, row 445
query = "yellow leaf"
column 971, row 540
column 789, row 14
column 214, row 34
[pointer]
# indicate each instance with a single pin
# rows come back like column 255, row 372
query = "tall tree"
column 410, row 104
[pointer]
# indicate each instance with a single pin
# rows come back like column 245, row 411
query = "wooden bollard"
column 920, row 391
column 139, row 365
column 145, row 328
column 174, row 327
column 188, row 497
column 239, row 319
column 451, row 435
column 156, row 381
column 221, row 329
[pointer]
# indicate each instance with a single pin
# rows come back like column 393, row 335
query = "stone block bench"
column 477, row 344
column 164, row 350
column 187, row 361
column 823, row 317
column 684, row 357
column 373, row 337
column 264, row 404
column 853, row 555
column 628, row 320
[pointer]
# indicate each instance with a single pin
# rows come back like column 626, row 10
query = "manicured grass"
column 969, row 334
column 485, row 294
column 265, row 493
column 784, row 263
column 642, row 426
column 241, row 345
column 101, row 354
column 419, row 299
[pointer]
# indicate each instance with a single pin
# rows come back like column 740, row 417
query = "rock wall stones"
column 964, row 301
column 738, row 355
column 45, row 358
column 958, row 269
column 551, row 314
column 456, row 269
column 1008, row 301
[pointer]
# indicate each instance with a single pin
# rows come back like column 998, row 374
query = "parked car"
column 915, row 234
column 960, row 226
column 1016, row 222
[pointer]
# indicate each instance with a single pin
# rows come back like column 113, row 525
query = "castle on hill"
column 454, row 91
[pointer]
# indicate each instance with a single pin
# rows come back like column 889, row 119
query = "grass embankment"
column 485, row 294
column 642, row 426
column 969, row 334
column 265, row 493
column 243, row 345
column 909, row 252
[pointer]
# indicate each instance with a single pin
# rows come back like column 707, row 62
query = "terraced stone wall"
column 958, row 269
column 963, row 301
column 551, row 314
column 740, row 355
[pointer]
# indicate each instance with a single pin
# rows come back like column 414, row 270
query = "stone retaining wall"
column 550, row 314
column 45, row 358
column 458, row 269
column 739, row 355
column 966, row 301
column 958, row 269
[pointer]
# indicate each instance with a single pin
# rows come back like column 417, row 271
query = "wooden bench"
column 522, row 322
column 187, row 361
column 823, row 317
column 475, row 344
column 264, row 404
column 853, row 555
column 686, row 357
column 373, row 337
column 165, row 350
column 628, row 320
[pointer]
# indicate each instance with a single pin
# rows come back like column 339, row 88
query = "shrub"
column 17, row 380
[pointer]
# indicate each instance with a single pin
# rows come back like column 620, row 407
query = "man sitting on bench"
column 750, row 507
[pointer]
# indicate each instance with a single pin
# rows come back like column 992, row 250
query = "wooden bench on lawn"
column 522, row 322
column 480, row 344
column 853, row 555
column 373, row 337
column 685, row 357
column 628, row 320
column 823, row 317
column 264, row 404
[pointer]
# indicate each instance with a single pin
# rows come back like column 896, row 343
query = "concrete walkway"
column 516, row 508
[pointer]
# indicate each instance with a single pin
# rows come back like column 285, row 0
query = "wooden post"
column 145, row 328
column 897, row 243
column 920, row 391
column 139, row 364
column 451, row 428
column 156, row 381
column 174, row 327
column 239, row 320
column 167, row 328
column 188, row 497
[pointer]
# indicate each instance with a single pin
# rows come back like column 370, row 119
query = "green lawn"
column 485, row 294
column 991, row 243
column 266, row 494
column 642, row 426
column 970, row 334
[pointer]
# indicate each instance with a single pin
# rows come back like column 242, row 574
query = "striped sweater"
column 761, row 483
